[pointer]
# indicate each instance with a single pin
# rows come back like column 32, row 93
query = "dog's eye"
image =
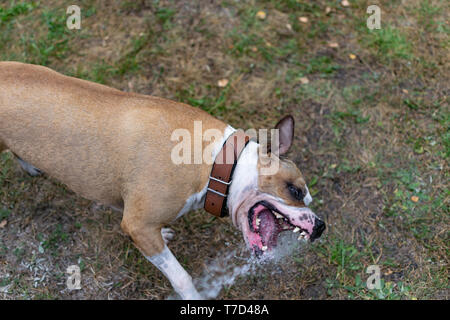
column 295, row 192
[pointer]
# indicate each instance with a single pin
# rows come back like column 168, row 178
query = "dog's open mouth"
column 266, row 223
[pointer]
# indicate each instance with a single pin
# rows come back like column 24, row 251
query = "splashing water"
column 219, row 273
column 227, row 267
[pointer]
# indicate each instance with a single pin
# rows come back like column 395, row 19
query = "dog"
column 116, row 148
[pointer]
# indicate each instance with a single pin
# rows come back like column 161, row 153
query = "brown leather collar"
column 222, row 172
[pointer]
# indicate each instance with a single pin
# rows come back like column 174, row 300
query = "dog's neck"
column 245, row 178
column 197, row 200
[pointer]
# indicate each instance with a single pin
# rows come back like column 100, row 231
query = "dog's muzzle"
column 319, row 227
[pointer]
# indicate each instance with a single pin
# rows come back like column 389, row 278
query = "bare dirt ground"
column 372, row 139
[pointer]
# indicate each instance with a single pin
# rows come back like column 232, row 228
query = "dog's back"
column 84, row 134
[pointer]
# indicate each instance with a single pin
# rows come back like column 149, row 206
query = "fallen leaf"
column 333, row 44
column 405, row 91
column 254, row 49
column 261, row 15
column 222, row 83
column 327, row 10
column 345, row 3
column 414, row 198
column 303, row 19
column 389, row 272
column 304, row 80
column 3, row 223
column 288, row 25
column 352, row 56
column 334, row 165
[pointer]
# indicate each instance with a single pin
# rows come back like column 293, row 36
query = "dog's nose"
column 319, row 226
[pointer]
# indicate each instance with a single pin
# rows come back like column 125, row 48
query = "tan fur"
column 106, row 145
column 277, row 184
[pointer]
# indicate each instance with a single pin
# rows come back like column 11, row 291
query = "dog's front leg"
column 178, row 277
column 139, row 224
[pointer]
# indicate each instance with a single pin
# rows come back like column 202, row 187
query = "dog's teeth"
column 278, row 216
column 302, row 235
column 258, row 221
column 264, row 248
column 297, row 229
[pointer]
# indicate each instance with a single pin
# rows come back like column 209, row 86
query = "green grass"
column 6, row 166
column 388, row 43
column 14, row 10
column 100, row 72
column 350, row 274
column 216, row 102
column 51, row 42
column 427, row 13
column 7, row 18
column 53, row 45
column 4, row 213
column 372, row 133
column 165, row 16
column 251, row 45
column 57, row 238
column 322, row 65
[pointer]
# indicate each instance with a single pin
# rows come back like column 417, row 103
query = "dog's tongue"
column 268, row 227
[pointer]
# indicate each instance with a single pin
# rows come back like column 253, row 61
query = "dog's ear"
column 286, row 133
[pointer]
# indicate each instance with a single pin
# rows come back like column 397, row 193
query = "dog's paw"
column 167, row 234
column 32, row 171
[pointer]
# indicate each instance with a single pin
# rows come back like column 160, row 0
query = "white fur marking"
column 181, row 281
column 307, row 199
column 245, row 175
column 33, row 171
column 167, row 234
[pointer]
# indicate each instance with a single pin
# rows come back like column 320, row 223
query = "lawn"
column 372, row 140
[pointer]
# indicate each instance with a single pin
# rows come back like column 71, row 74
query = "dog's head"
column 263, row 203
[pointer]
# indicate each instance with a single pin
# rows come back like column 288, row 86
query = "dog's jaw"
column 245, row 194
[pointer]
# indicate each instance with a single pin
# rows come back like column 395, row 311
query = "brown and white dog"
column 115, row 147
